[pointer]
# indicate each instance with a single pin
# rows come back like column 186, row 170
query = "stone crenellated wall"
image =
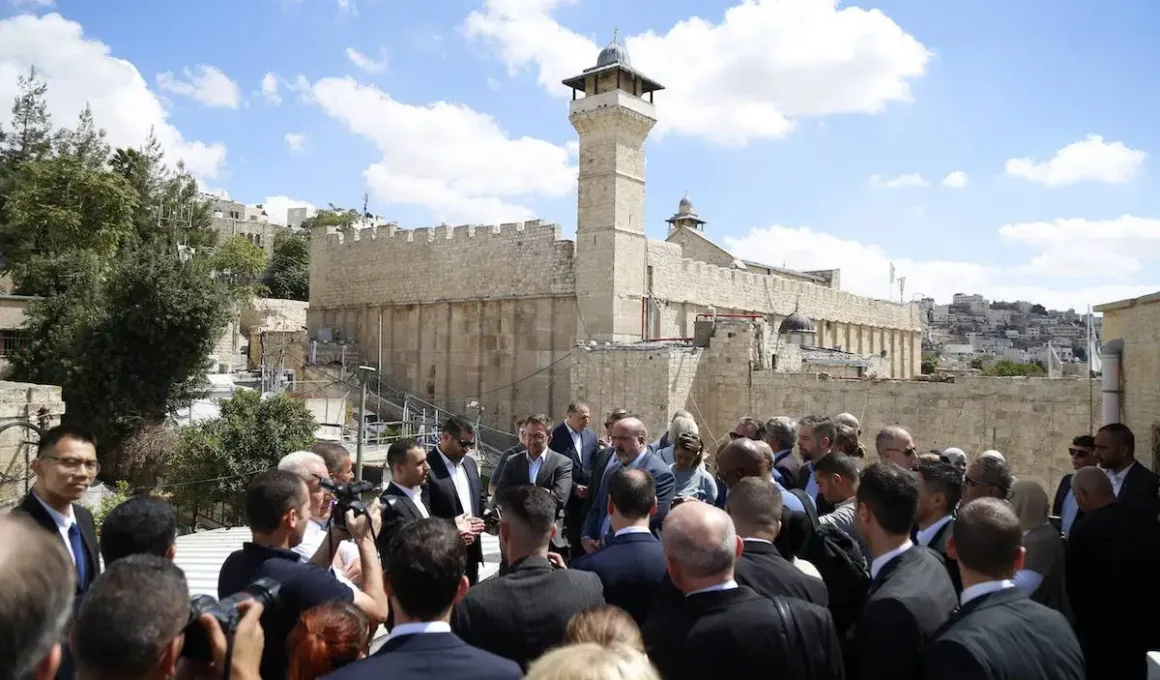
column 23, row 402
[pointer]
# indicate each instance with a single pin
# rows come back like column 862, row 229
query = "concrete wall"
column 1137, row 323
column 23, row 402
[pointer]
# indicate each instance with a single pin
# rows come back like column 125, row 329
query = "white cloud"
column 207, row 85
column 447, row 157
column 767, row 64
column 270, row 88
column 33, row 4
column 955, row 180
column 366, row 63
column 79, row 70
column 1089, row 160
column 296, row 142
column 1105, row 253
column 902, row 181
column 276, row 207
column 348, row 6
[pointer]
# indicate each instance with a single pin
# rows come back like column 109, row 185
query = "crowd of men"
column 786, row 551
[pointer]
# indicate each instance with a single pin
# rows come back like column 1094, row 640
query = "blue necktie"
column 78, row 550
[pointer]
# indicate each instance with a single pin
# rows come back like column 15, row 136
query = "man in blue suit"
column 629, row 436
column 426, row 565
column 632, row 563
column 572, row 438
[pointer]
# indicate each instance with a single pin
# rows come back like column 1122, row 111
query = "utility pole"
column 364, row 374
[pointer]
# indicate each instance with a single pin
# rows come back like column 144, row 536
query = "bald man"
column 742, row 630
column 895, row 445
column 630, row 439
column 743, row 458
column 1113, row 556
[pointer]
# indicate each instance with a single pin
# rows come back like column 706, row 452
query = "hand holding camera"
column 212, row 623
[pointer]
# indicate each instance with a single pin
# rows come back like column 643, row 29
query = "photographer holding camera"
column 278, row 508
column 313, row 470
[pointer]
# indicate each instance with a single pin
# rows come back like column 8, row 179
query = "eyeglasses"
column 75, row 464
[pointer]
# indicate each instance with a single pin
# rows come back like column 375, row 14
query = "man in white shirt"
column 311, row 467
column 453, row 488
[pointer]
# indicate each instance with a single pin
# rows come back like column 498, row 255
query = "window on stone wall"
column 11, row 340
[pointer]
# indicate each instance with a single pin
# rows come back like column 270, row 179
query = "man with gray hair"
column 667, row 439
column 848, row 420
column 679, row 426
column 987, row 477
column 311, row 467
column 781, row 435
column 745, row 630
column 895, row 445
column 37, row 583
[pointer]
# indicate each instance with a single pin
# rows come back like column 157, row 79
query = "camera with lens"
column 347, row 497
column 197, row 645
column 491, row 519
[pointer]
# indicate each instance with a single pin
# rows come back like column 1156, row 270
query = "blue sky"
column 789, row 122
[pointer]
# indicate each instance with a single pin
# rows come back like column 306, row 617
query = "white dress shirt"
column 925, row 536
column 534, row 465
column 1117, row 478
column 577, row 443
column 312, row 540
column 419, row 628
column 416, row 498
column 984, row 588
column 728, row 585
column 459, row 478
column 631, row 530
column 64, row 522
column 883, row 560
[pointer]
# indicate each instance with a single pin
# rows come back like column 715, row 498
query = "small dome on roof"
column 796, row 323
column 685, row 205
column 614, row 53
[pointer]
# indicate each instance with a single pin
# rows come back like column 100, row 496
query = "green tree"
column 86, row 143
column 31, row 133
column 251, row 435
column 126, row 344
column 333, row 216
column 288, row 277
column 929, row 364
column 1007, row 369
column 239, row 260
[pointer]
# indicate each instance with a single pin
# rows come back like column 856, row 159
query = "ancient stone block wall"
column 1138, row 325
column 23, row 402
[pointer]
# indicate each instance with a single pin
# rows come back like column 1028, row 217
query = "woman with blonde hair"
column 604, row 625
column 590, row 661
column 1042, row 575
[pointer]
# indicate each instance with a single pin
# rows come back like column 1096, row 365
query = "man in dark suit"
column 743, row 458
column 940, row 485
column 1132, row 483
column 756, row 508
column 815, row 439
column 631, row 565
column 1083, row 454
column 1113, row 556
column 573, row 438
column 629, row 437
column 910, row 595
column 998, row 632
column 525, row 611
column 725, row 630
column 402, row 500
column 781, row 435
column 542, row 467
column 425, row 578
column 453, row 488
column 506, row 456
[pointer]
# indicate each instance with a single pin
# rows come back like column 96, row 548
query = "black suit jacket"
column 525, row 612
column 428, row 655
column 938, row 543
column 1003, row 635
column 1061, row 494
column 439, row 494
column 909, row 600
column 32, row 507
column 555, row 475
column 631, row 567
column 790, row 468
column 1141, row 488
column 398, row 511
column 561, row 443
column 1113, row 556
column 739, row 634
column 770, row 575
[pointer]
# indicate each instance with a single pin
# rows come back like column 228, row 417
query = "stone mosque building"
column 519, row 320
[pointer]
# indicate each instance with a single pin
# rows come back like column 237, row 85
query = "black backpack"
column 843, row 568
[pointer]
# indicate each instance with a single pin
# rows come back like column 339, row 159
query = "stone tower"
column 612, row 119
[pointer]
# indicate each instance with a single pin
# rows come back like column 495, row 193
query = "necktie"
column 78, row 550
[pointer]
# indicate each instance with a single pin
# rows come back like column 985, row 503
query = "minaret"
column 612, row 119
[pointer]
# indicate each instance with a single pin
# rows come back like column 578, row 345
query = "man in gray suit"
column 542, row 467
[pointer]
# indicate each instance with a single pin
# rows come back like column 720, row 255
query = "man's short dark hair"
column 996, row 472
column 539, row 419
column 822, row 427
column 270, row 496
column 838, row 464
column 54, row 435
column 141, row 525
column 616, row 415
column 1085, row 441
column 333, row 453
column 755, row 502
column 1123, row 435
column 129, row 615
column 758, row 426
column 425, row 561
column 945, row 478
column 891, row 493
column 533, row 508
column 37, row 596
column 397, row 453
column 576, row 406
column 988, row 537
column 457, row 426
column 633, row 492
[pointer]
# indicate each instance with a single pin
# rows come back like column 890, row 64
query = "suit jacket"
column 631, row 567
column 1141, row 487
column 525, row 612
column 770, row 575
column 907, row 603
column 1061, row 494
column 428, row 655
column 555, row 475
column 1004, row 635
column 439, row 494
column 561, row 443
column 1113, row 555
column 789, row 467
column 666, row 485
column 31, row 506
column 939, row 545
column 398, row 511
column 736, row 633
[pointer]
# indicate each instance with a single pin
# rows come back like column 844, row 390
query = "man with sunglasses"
column 1083, row 454
column 453, row 488
column 895, row 445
